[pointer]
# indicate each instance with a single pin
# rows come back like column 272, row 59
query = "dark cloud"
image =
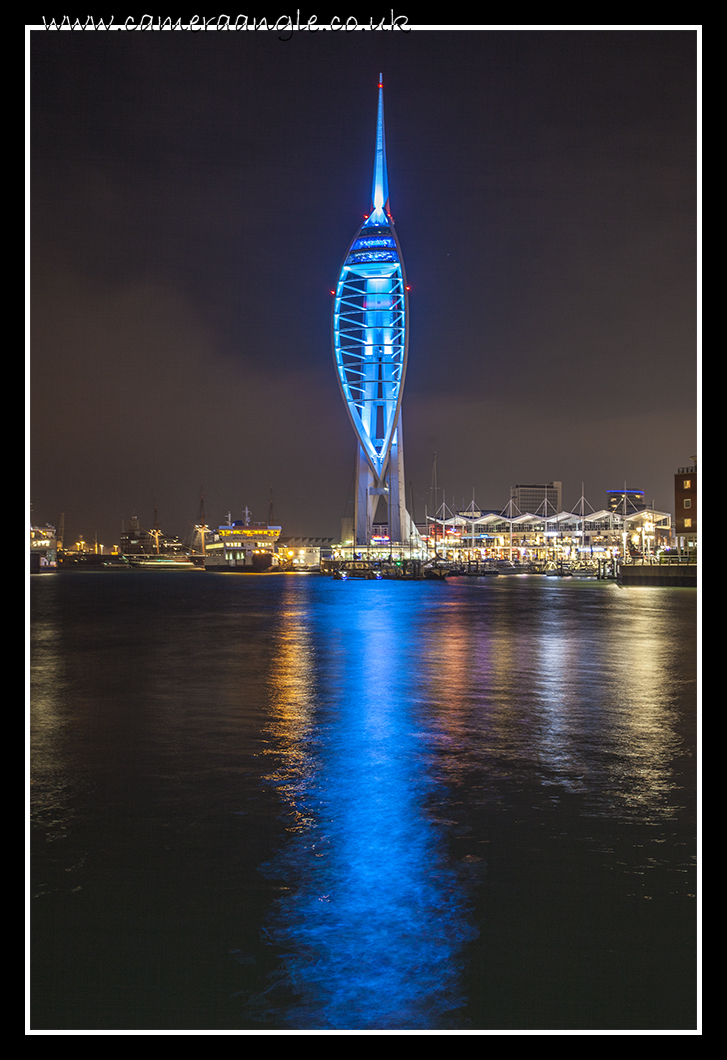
column 192, row 196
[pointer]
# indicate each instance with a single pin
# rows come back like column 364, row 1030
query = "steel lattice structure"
column 370, row 348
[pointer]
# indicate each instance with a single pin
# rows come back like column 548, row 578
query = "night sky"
column 191, row 199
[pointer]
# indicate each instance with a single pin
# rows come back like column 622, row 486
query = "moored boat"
column 436, row 571
column 173, row 562
column 357, row 569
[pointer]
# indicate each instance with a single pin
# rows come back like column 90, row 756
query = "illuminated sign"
column 269, row 532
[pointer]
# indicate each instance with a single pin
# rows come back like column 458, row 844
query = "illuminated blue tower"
column 370, row 347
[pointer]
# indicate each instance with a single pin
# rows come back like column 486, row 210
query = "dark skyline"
column 192, row 196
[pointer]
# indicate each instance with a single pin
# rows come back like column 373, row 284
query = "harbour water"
column 265, row 803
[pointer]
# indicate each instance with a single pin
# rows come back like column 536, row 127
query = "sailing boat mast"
column 434, row 499
column 201, row 527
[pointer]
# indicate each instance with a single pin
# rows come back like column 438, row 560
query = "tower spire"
column 380, row 189
column 370, row 349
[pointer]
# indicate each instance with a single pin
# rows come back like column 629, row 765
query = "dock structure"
column 672, row 574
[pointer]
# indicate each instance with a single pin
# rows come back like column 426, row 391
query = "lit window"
column 687, row 484
column 687, row 522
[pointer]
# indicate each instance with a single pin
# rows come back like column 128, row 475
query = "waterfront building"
column 43, row 547
column 685, row 506
column 545, row 498
column 569, row 536
column 625, row 500
column 304, row 553
column 473, row 535
column 370, row 330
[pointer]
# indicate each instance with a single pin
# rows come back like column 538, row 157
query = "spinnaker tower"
column 370, row 348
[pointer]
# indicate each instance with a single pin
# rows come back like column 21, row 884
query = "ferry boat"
column 245, row 547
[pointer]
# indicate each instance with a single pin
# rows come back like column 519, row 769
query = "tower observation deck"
column 370, row 349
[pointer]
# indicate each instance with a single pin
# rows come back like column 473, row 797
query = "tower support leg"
column 366, row 499
column 369, row 490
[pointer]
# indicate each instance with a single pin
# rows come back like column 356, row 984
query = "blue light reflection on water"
column 482, row 790
column 376, row 918
column 522, row 698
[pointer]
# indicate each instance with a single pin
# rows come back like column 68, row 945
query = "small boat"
column 162, row 563
column 357, row 569
column 506, row 566
column 435, row 571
